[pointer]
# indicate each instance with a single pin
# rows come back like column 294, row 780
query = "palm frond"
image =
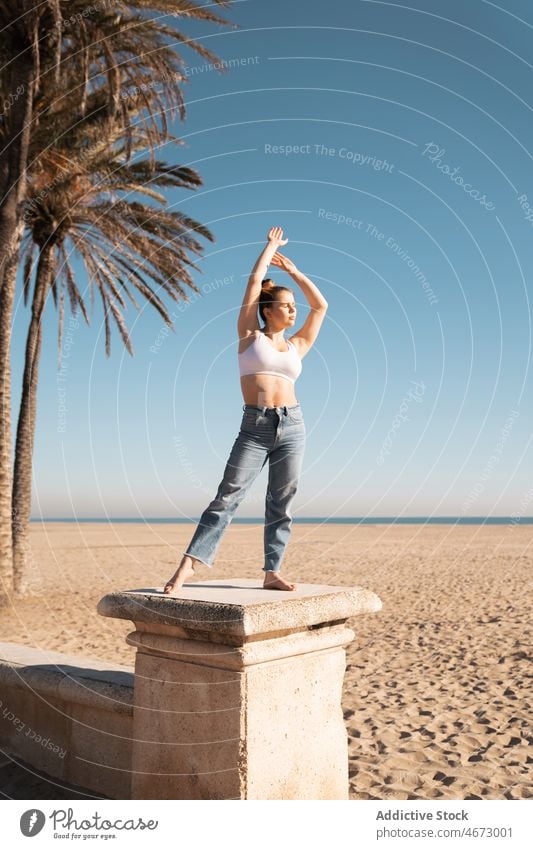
column 75, row 297
column 27, row 271
column 105, row 303
column 85, row 189
column 60, row 326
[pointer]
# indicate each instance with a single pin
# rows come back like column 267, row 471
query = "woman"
column 272, row 427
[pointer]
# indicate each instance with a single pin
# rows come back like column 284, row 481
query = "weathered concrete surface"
column 68, row 716
column 240, row 608
column 238, row 689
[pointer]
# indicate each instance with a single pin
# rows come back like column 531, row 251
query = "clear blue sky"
column 404, row 202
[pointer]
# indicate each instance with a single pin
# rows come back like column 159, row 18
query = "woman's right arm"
column 247, row 320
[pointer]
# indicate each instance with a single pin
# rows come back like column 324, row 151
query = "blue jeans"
column 276, row 434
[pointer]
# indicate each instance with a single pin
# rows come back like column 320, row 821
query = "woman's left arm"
column 307, row 334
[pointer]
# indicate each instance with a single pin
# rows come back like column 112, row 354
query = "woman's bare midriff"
column 266, row 390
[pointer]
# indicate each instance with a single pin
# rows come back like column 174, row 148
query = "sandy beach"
column 435, row 697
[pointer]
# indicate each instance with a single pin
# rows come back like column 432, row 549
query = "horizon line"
column 303, row 519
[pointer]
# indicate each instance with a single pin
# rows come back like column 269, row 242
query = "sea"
column 307, row 520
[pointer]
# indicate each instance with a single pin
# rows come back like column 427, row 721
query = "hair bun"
column 268, row 283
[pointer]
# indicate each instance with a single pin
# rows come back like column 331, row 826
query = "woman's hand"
column 275, row 236
column 283, row 262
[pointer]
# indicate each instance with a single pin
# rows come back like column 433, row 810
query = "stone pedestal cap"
column 239, row 608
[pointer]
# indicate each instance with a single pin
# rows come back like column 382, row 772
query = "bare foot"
column 185, row 570
column 274, row 581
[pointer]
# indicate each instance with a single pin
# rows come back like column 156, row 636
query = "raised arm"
column 247, row 321
column 308, row 332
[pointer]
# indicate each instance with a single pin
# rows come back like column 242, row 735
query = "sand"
column 435, row 697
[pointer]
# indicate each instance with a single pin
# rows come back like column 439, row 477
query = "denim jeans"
column 276, row 434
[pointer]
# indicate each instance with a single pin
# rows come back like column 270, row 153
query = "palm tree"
column 19, row 51
column 110, row 46
column 124, row 245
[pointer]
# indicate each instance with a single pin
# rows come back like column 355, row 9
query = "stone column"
column 237, row 690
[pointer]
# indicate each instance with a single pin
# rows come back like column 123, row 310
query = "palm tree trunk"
column 7, row 293
column 12, row 191
column 22, row 473
column 14, row 159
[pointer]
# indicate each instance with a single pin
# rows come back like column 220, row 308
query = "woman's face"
column 282, row 313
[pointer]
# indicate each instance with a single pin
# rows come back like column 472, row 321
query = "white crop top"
column 260, row 357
